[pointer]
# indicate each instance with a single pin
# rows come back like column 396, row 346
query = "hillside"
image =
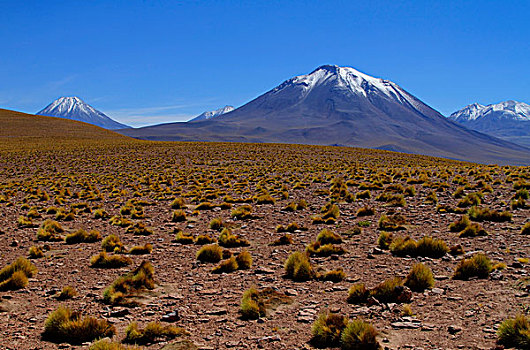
column 27, row 130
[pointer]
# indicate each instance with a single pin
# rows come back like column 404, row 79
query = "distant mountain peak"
column 509, row 120
column 73, row 107
column 506, row 110
column 213, row 114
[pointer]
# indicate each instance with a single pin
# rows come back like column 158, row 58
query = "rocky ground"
column 455, row 314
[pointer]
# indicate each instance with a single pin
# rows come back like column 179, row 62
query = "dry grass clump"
column 24, row 221
column 125, row 287
column 205, row 206
column 298, row 268
column 141, row 249
column 384, row 240
column 392, row 200
column 153, row 332
column 358, row 294
column 460, row 224
column 229, row 240
column 265, row 199
column 419, row 278
column 178, row 203
column 486, row 214
column 105, row 344
column 393, row 222
column 251, row 308
column 284, row 239
column 66, row 326
column 470, row 199
column 334, row 330
column 479, row 265
column 256, row 304
column 217, row 224
column 244, row 260
column 36, row 252
column 318, row 249
column 67, row 292
column 293, row 206
column 390, row 291
column 363, row 194
column 243, row 212
column 292, row 227
column 211, row 253
column 359, row 335
column 473, row 230
column 178, row 216
column 50, row 231
column 226, row 266
column 336, row 275
column 184, row 238
column 102, row 260
column 139, row 229
column 101, row 214
column 515, row 332
column 525, row 230
column 365, row 211
column 120, row 221
column 82, row 236
column 15, row 275
column 204, row 239
column 327, row 236
column 431, row 198
column 426, row 247
column 112, row 243
column 327, row 329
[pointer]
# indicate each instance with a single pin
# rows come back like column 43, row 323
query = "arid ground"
column 92, row 179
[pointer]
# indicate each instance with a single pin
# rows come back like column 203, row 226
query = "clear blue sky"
column 145, row 62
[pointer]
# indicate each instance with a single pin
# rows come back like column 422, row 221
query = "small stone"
column 454, row 329
column 291, row 292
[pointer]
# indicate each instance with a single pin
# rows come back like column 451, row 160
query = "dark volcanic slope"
column 341, row 106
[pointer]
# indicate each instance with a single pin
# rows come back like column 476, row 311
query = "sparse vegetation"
column 211, row 253
column 298, row 267
column 15, row 275
column 515, row 332
column 419, row 278
column 153, row 332
column 479, row 265
column 64, row 325
column 102, row 260
column 125, row 287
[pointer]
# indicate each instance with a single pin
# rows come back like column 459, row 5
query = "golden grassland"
column 58, row 176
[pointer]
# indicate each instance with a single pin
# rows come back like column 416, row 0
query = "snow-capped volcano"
column 335, row 105
column 76, row 109
column 213, row 114
column 509, row 120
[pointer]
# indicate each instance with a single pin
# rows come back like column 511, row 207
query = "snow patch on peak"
column 213, row 114
column 353, row 81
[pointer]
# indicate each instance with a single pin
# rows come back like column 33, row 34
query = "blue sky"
column 146, row 62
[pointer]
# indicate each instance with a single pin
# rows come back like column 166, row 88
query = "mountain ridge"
column 340, row 105
column 509, row 120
